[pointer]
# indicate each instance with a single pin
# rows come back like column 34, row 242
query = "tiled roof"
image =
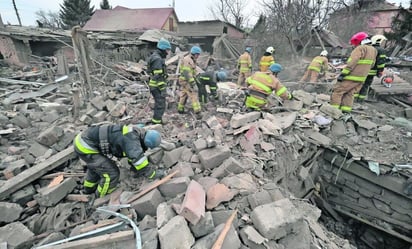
column 121, row 18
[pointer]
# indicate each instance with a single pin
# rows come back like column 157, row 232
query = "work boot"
column 150, row 172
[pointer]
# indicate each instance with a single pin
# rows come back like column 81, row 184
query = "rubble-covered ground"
column 263, row 167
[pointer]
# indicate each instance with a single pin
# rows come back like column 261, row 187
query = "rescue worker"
column 209, row 78
column 158, row 76
column 376, row 70
column 244, row 65
column 187, row 81
column 262, row 84
column 355, row 72
column 98, row 144
column 267, row 59
column 319, row 65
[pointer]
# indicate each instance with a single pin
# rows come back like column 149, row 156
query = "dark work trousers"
column 363, row 92
column 102, row 171
column 203, row 95
column 160, row 104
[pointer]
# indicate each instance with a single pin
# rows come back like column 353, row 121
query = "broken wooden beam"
column 35, row 172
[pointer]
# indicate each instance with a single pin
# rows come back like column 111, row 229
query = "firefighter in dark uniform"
column 209, row 78
column 158, row 75
column 98, row 144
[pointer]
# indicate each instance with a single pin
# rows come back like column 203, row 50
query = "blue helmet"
column 221, row 75
column 195, row 50
column 248, row 49
column 163, row 44
column 275, row 68
column 152, row 139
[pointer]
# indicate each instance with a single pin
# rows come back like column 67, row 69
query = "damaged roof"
column 121, row 18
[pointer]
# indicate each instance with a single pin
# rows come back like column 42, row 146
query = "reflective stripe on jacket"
column 266, row 83
column 319, row 63
column 245, row 62
column 124, row 141
column 187, row 69
column 361, row 60
column 265, row 62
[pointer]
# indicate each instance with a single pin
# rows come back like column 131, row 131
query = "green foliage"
column 104, row 5
column 401, row 26
column 75, row 12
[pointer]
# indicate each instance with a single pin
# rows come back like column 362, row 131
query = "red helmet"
column 357, row 38
column 388, row 80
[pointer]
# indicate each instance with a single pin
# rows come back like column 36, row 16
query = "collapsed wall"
column 378, row 199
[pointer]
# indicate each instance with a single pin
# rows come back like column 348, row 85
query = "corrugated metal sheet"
column 121, row 18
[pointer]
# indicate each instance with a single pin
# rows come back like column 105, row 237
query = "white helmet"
column 378, row 39
column 270, row 50
column 324, row 53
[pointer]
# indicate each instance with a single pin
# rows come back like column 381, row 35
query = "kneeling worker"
column 262, row 84
column 96, row 145
column 209, row 78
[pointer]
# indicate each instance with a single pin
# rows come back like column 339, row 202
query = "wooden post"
column 76, row 103
column 79, row 39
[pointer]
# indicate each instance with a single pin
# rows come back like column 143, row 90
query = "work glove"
column 290, row 97
column 340, row 77
column 379, row 74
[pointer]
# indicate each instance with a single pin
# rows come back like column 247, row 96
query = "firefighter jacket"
column 114, row 140
column 319, row 63
column 188, row 69
column 264, row 83
column 265, row 62
column 245, row 63
column 157, row 69
column 379, row 66
column 359, row 63
column 208, row 77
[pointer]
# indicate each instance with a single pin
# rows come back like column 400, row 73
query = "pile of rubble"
column 236, row 179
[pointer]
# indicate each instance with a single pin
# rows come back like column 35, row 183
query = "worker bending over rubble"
column 158, row 76
column 318, row 66
column 209, row 78
column 262, row 84
column 358, row 65
column 98, row 144
column 187, row 82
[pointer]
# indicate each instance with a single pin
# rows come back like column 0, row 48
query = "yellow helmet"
column 378, row 39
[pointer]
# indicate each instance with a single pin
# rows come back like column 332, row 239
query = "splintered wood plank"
column 123, row 239
column 35, row 172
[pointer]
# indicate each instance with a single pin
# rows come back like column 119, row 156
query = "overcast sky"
column 186, row 10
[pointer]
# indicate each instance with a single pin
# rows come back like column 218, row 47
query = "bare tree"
column 48, row 19
column 293, row 22
column 17, row 12
column 231, row 11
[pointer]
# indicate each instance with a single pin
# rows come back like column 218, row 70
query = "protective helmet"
column 270, row 50
column 378, row 39
column 275, row 68
column 324, row 53
column 248, row 49
column 358, row 38
column 195, row 50
column 152, row 139
column 221, row 75
column 163, row 44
